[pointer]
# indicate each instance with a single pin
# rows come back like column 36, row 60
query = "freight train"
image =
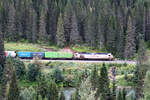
column 60, row 55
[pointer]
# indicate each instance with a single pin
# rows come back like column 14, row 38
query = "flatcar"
column 60, row 55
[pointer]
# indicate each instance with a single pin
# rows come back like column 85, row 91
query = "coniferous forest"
column 121, row 27
column 114, row 25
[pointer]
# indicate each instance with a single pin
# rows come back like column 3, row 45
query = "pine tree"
column 62, row 96
column 13, row 90
column 103, row 88
column 7, row 74
column 74, row 34
column 34, row 26
column 68, row 20
column 142, row 51
column 130, row 48
column 60, row 32
column 111, row 36
column 11, row 24
column 42, row 87
column 94, row 78
column 121, row 43
column 141, row 68
column 2, row 54
column 42, row 26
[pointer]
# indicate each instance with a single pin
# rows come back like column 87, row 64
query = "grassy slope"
column 38, row 47
column 26, row 47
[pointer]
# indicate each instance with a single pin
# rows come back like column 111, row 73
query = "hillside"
column 35, row 47
column 109, row 25
column 120, row 27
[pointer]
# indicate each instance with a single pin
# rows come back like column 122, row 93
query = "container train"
column 60, row 55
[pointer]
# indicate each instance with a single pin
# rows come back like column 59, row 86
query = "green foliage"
column 100, row 24
column 13, row 93
column 19, row 46
column 147, row 85
column 60, row 32
column 33, row 72
column 94, row 78
column 42, row 86
column 103, row 87
column 7, row 77
column 2, row 58
column 58, row 76
column 130, row 48
column 20, row 68
column 28, row 94
column 52, row 92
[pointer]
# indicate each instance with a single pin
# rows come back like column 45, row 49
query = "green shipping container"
column 51, row 55
column 58, row 55
column 65, row 55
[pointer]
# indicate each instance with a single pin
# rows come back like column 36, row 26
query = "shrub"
column 28, row 94
column 20, row 68
column 52, row 91
column 33, row 72
column 58, row 76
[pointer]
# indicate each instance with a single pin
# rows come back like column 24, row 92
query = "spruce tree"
column 60, row 32
column 11, row 24
column 103, row 88
column 74, row 34
column 68, row 21
column 42, row 87
column 13, row 93
column 2, row 54
column 7, row 74
column 34, row 26
column 94, row 78
column 42, row 26
column 141, row 68
column 121, row 43
column 130, row 47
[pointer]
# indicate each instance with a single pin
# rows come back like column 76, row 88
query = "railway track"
column 85, row 61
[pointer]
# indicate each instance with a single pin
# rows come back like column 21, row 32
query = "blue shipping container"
column 24, row 54
column 38, row 54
